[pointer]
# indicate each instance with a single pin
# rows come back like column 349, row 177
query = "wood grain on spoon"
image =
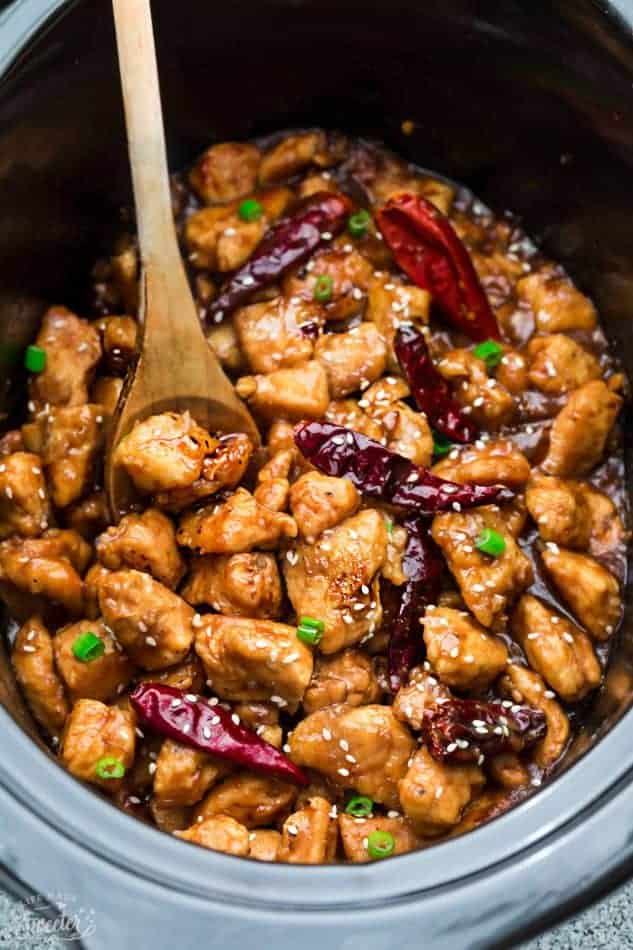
column 176, row 369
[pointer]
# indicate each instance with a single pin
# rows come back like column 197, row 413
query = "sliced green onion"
column 490, row 542
column 110, row 767
column 323, row 287
column 360, row 806
column 250, row 210
column 35, row 359
column 441, row 445
column 310, row 630
column 389, row 525
column 490, row 352
column 380, row 844
column 88, row 647
column 358, row 223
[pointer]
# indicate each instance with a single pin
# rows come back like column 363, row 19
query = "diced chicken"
column 169, row 818
column 72, row 351
column 558, row 306
column 335, row 579
column 349, row 271
column 509, row 771
column 347, row 677
column 118, row 336
column 488, row 584
column 184, row 775
column 297, row 393
column 348, row 413
column 491, row 405
column 224, row 342
column 296, row 152
column 352, row 359
column 607, row 530
column 558, row 364
column 248, row 659
column 390, row 302
column 388, row 391
column 89, row 516
column 461, row 652
column 512, row 372
column 422, row 692
column 523, row 685
column 590, row 590
column 225, row 172
column 563, row 511
column 580, row 430
column 273, row 493
column 24, row 504
column 556, row 648
column 433, row 794
column 93, row 732
column 72, row 438
column 309, row 836
column 189, row 675
column 222, row 468
column 238, row 585
column 145, row 542
column 271, row 335
column 486, row 463
column 408, row 432
column 92, row 580
column 319, row 502
column 313, row 184
column 218, row 834
column 359, row 747
column 32, row 659
column 253, row 799
column 106, row 392
column 38, row 572
column 264, row 844
column 104, row 677
column 237, row 526
column 151, row 622
column 355, row 833
column 165, row 451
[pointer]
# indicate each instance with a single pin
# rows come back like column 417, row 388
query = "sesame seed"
column 343, row 772
column 151, row 768
column 248, row 281
column 350, row 758
column 292, row 557
column 28, row 649
column 549, row 694
column 215, row 721
column 175, row 703
column 568, row 637
column 150, row 641
column 393, row 814
column 206, row 732
column 554, row 548
column 469, row 659
column 344, row 744
column 456, row 506
column 278, row 701
column 197, row 621
column 451, row 747
column 327, row 735
column 333, row 812
column 213, row 701
column 292, row 830
column 438, row 791
column 236, row 719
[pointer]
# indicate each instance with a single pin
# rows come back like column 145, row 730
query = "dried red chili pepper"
column 422, row 566
column 192, row 721
column 428, row 250
column 382, row 474
column 430, row 390
column 289, row 242
column 463, row 730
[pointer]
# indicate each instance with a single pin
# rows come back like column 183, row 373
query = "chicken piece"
column 219, row 834
column 313, row 184
column 294, row 153
column 225, row 172
column 461, row 652
column 273, row 494
column 390, row 302
column 297, row 393
column 486, row 463
column 388, row 391
column 352, row 359
column 393, row 568
column 145, row 542
column 72, row 352
column 607, row 530
column 223, row 341
column 264, row 844
column 556, row 648
column 88, row 517
column 238, row 525
column 93, row 732
column 189, row 675
column 561, row 510
column 222, row 468
column 509, row 771
column 238, row 585
column 558, row 306
column 92, row 580
column 488, row 584
column 589, row 589
column 348, row 677
column 310, row 835
column 106, row 391
column 24, row 505
column 165, row 451
column 184, row 775
column 169, row 818
column 253, row 799
column 523, row 685
column 359, row 747
column 149, row 620
column 73, row 437
column 349, row 271
column 125, row 269
column 262, row 718
column 270, row 333
column 38, row 572
column 579, row 434
column 319, row 502
column 118, row 338
column 491, row 405
column 355, row 832
column 281, row 437
column 512, row 372
column 103, row 678
column 349, row 413
column 248, row 659
column 335, row 579
column 422, row 692
column 433, row 794
column 408, row 432
column 558, row 364
column 32, row 660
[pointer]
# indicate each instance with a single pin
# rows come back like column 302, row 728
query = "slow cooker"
column 530, row 104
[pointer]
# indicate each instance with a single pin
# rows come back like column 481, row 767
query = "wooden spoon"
column 176, row 368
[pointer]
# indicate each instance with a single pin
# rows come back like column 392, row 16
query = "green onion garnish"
column 358, row 223
column 35, row 359
column 323, row 287
column 389, row 525
column 490, row 352
column 250, row 210
column 88, row 647
column 490, row 542
column 380, row 844
column 310, row 630
column 441, row 445
column 110, row 767
column 360, row 806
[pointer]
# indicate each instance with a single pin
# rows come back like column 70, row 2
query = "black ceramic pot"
column 531, row 104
